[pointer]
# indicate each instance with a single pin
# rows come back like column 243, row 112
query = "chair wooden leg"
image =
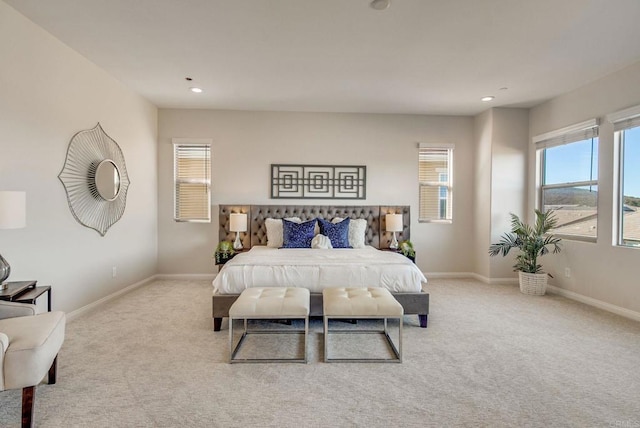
column 53, row 371
column 28, row 398
column 217, row 324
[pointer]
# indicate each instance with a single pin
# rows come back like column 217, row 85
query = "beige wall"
column 508, row 179
column 483, row 131
column 599, row 270
column 501, row 136
column 48, row 93
column 246, row 143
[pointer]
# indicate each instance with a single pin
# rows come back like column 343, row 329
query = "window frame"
column 447, row 185
column 180, row 143
column 622, row 121
column 443, row 190
column 569, row 135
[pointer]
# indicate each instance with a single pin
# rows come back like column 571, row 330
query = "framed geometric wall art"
column 291, row 181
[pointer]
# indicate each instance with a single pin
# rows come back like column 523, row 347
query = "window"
column 192, row 182
column 626, row 125
column 435, row 172
column 568, row 160
column 443, row 196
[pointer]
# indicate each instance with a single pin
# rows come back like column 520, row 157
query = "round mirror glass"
column 107, row 180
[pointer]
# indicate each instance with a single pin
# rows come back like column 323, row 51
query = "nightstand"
column 25, row 292
column 226, row 259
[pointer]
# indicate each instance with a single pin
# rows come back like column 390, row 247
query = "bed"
column 265, row 264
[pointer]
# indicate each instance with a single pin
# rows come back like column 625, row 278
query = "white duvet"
column 317, row 269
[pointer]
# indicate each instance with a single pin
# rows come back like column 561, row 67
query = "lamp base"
column 394, row 242
column 5, row 271
column 237, row 244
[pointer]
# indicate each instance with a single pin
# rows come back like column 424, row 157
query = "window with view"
column 435, row 172
column 568, row 161
column 192, row 182
column 627, row 138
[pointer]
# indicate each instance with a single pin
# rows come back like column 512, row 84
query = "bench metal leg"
column 233, row 350
column 396, row 351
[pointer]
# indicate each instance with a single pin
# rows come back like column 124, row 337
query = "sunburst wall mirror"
column 95, row 179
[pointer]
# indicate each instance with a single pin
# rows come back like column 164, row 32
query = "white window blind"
column 570, row 134
column 625, row 119
column 192, row 182
column 435, row 182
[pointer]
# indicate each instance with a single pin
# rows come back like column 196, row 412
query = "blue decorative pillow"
column 298, row 235
column 338, row 233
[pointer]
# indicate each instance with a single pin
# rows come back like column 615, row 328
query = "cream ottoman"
column 361, row 303
column 281, row 303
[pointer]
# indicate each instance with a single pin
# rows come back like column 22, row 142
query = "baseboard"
column 91, row 306
column 186, row 276
column 496, row 281
column 627, row 313
column 448, row 275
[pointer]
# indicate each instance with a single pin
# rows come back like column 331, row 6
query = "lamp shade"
column 238, row 222
column 13, row 210
column 394, row 222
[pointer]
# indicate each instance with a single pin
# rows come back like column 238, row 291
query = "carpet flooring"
column 491, row 357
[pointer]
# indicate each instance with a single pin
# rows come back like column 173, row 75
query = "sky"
column 575, row 162
column 632, row 162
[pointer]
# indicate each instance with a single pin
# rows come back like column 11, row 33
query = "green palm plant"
column 532, row 241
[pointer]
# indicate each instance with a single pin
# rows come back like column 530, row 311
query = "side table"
column 25, row 292
column 226, row 259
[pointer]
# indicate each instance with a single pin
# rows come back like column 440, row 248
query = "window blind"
column 578, row 132
column 625, row 119
column 192, row 180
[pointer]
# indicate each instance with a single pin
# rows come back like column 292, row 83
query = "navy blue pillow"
column 298, row 235
column 338, row 233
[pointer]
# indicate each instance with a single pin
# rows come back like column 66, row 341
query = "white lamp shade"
column 238, row 222
column 13, row 210
column 394, row 222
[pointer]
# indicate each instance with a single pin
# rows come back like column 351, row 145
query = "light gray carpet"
column 490, row 357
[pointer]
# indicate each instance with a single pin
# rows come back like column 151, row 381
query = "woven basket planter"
column 534, row 284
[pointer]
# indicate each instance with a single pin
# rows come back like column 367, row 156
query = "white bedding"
column 316, row 269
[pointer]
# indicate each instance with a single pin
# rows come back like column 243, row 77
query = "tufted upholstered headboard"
column 256, row 234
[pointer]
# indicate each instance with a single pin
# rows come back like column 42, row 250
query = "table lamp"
column 394, row 224
column 12, row 216
column 237, row 224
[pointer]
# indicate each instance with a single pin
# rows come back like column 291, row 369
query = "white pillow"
column 357, row 229
column 275, row 232
column 322, row 242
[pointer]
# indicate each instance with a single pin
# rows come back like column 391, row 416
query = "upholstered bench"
column 361, row 303
column 280, row 303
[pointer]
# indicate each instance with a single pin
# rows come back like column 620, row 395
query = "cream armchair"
column 29, row 345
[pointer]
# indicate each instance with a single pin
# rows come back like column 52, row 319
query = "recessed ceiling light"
column 487, row 98
column 196, row 90
column 380, row 4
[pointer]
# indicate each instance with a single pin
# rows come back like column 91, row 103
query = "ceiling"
column 418, row 56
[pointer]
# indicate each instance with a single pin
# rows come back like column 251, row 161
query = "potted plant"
column 533, row 242
column 406, row 248
column 224, row 252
